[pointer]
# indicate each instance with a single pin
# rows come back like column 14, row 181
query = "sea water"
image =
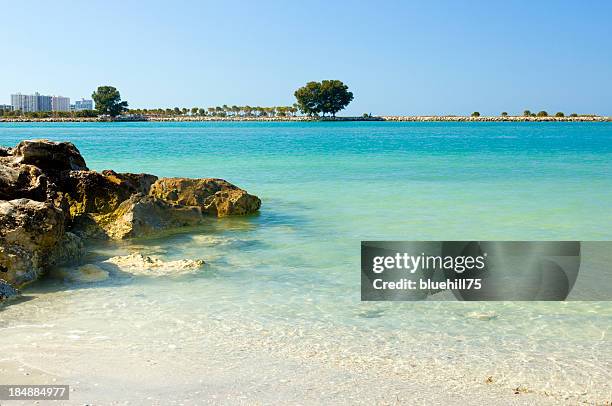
column 287, row 279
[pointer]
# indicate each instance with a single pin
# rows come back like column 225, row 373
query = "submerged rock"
column 481, row 315
column 138, row 264
column 85, row 274
column 214, row 196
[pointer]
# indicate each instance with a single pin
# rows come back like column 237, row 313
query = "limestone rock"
column 138, row 264
column 47, row 154
column 213, row 196
column 142, row 215
column 5, row 151
column 69, row 250
column 94, row 192
column 22, row 181
column 50, row 202
column 29, row 233
column 231, row 203
column 134, row 182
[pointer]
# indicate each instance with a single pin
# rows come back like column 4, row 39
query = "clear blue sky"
column 398, row 57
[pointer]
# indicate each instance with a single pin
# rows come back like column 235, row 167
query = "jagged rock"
column 22, row 181
column 69, row 250
column 134, row 182
column 47, row 154
column 5, row 151
column 214, row 196
column 94, row 192
column 231, row 203
column 140, row 216
column 138, row 264
column 7, row 291
column 29, row 233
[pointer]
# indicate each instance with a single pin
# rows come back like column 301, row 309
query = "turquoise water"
column 327, row 186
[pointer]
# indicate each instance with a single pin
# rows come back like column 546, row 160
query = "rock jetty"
column 51, row 203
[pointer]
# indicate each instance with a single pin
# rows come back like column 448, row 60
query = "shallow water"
column 293, row 270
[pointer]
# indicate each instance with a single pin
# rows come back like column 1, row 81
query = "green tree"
column 559, row 114
column 328, row 96
column 108, row 101
column 527, row 113
column 504, row 114
column 542, row 114
column 194, row 111
column 309, row 98
column 476, row 114
column 334, row 96
column 574, row 115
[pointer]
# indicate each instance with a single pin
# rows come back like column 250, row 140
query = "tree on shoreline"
column 308, row 98
column 327, row 97
column 108, row 101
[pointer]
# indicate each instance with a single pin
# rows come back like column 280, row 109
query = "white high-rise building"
column 83, row 104
column 60, row 103
column 30, row 102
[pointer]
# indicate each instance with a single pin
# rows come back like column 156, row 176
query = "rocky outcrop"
column 231, row 203
column 214, row 196
column 25, row 181
column 128, row 265
column 138, row 264
column 94, row 192
column 140, row 216
column 50, row 203
column 29, row 235
column 47, row 154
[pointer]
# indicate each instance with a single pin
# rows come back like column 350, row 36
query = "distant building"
column 83, row 104
column 6, row 107
column 30, row 102
column 60, row 103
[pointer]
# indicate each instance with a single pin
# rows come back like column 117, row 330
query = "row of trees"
column 222, row 111
column 528, row 113
column 48, row 114
column 326, row 97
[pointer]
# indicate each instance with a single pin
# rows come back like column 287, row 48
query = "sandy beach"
column 246, row 364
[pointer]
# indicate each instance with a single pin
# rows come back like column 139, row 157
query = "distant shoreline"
column 314, row 119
